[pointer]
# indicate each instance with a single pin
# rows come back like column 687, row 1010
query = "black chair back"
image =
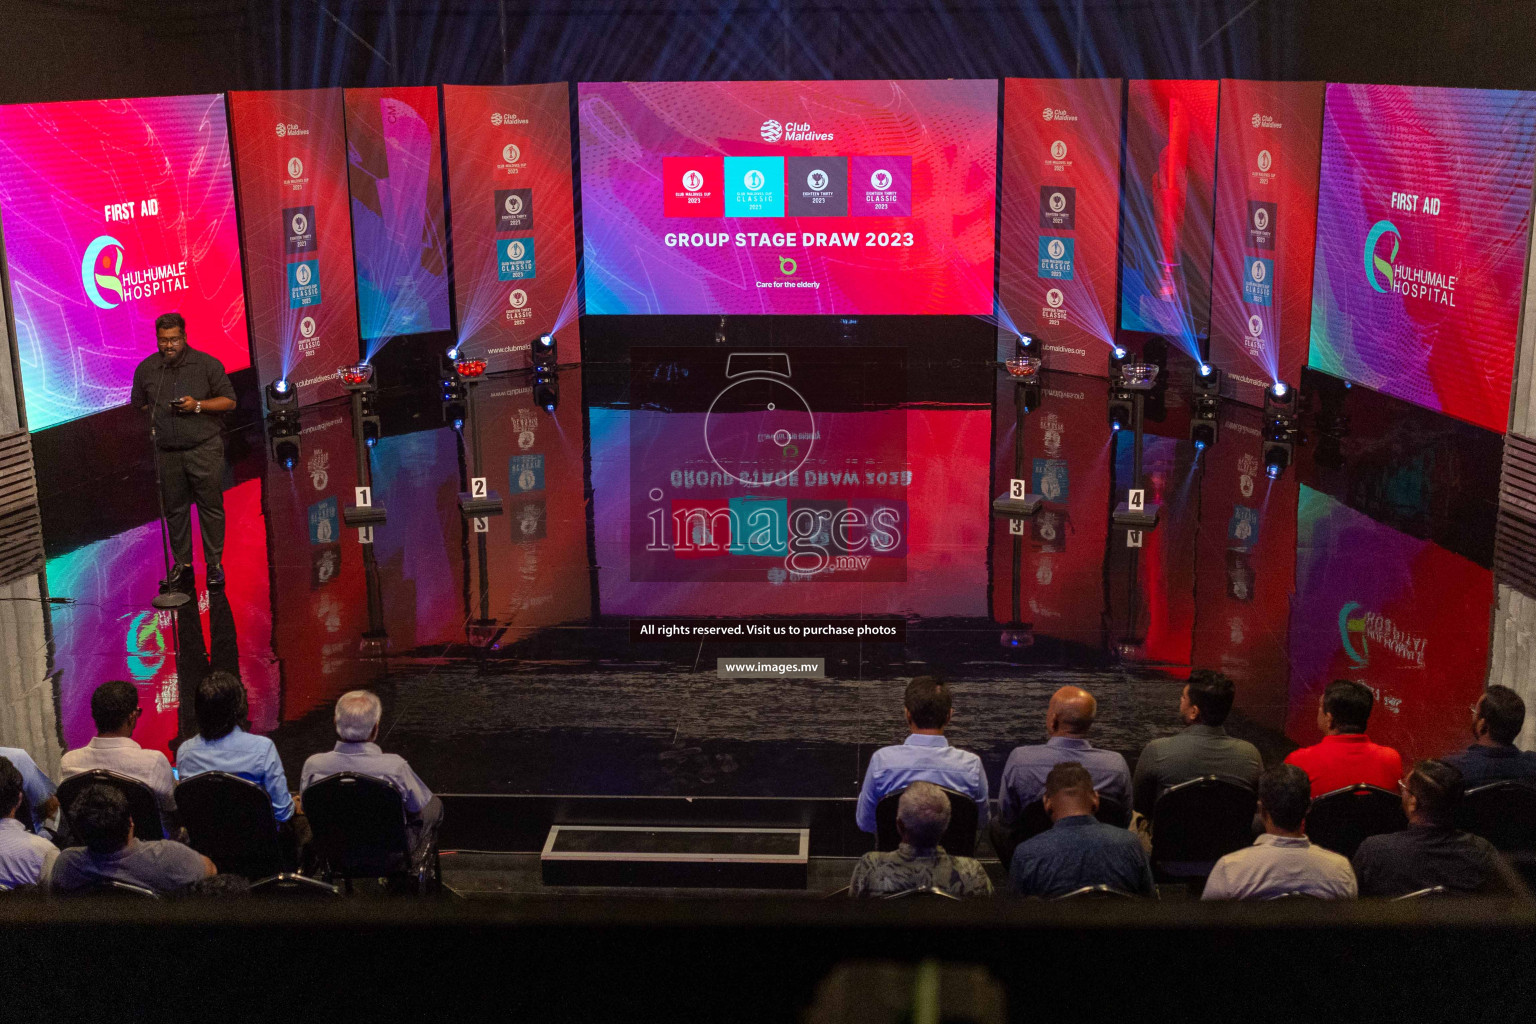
column 959, row 839
column 359, row 826
column 1095, row 892
column 141, row 801
column 230, row 821
column 1503, row 812
column 292, row 886
column 112, row 887
column 1196, row 823
column 1341, row 820
column 926, row 893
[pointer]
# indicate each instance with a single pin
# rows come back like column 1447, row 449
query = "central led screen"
column 789, row 197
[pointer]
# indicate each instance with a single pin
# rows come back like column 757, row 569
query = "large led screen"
column 789, row 197
column 1422, row 223
column 398, row 243
column 114, row 212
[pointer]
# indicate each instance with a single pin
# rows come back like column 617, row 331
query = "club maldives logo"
column 108, row 285
column 1374, row 262
column 792, row 131
column 498, row 119
column 1057, row 114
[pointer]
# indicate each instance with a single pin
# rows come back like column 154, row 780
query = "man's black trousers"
column 195, row 475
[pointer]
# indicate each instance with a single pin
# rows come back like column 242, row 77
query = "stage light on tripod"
column 1028, row 345
column 1203, row 434
column 1277, row 456
column 282, row 397
column 1206, row 369
column 544, row 351
column 546, row 391
column 280, row 389
column 453, row 354
column 1280, row 389
column 1118, row 356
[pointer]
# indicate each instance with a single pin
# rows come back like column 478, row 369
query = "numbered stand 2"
column 1018, row 500
column 479, row 500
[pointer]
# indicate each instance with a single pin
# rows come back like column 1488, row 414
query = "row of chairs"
column 358, row 824
column 1204, row 819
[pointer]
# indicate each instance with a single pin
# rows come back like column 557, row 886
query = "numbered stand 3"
column 1019, row 500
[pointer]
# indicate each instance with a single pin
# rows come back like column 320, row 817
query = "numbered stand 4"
column 1136, row 510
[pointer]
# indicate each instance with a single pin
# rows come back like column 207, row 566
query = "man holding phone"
column 187, row 393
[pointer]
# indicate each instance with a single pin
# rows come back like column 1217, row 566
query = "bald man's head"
column 1070, row 712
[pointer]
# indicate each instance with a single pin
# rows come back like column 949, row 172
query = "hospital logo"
column 101, row 272
column 1374, row 262
column 771, row 131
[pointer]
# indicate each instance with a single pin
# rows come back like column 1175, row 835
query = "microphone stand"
column 171, row 597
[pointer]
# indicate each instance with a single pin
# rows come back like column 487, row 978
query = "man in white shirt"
column 25, row 858
column 1282, row 860
column 357, row 727
column 115, row 708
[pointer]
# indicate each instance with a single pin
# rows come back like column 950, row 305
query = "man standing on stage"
column 188, row 393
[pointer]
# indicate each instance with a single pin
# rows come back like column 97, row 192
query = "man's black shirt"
column 197, row 374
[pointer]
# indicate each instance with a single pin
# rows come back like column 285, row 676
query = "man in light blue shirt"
column 222, row 746
column 37, row 787
column 926, row 756
column 1068, row 719
column 25, row 859
column 357, row 727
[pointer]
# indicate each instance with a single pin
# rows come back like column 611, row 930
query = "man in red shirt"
column 1345, row 756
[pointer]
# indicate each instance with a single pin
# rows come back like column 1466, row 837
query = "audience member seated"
column 1497, row 718
column 1345, row 757
column 1431, row 852
column 1068, row 718
column 1202, row 748
column 1282, row 860
column 25, row 859
column 115, row 708
column 222, row 746
column 1078, row 850
column 100, row 819
column 926, row 756
column 357, row 728
column 38, row 787
column 922, row 815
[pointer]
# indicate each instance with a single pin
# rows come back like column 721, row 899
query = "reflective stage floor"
column 504, row 657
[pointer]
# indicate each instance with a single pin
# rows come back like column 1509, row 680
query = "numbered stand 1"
column 362, row 511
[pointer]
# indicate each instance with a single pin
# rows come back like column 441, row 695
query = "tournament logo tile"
column 514, row 259
column 754, row 186
column 1058, row 207
column 1055, row 259
column 529, row 521
column 692, row 186
column 816, row 186
column 303, row 284
column 299, row 230
column 1261, row 225
column 525, row 473
column 880, row 186
column 1258, row 280
column 514, row 209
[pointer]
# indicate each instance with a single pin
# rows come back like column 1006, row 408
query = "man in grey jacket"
column 1202, row 748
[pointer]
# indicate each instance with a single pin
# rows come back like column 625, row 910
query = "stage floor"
column 504, row 657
